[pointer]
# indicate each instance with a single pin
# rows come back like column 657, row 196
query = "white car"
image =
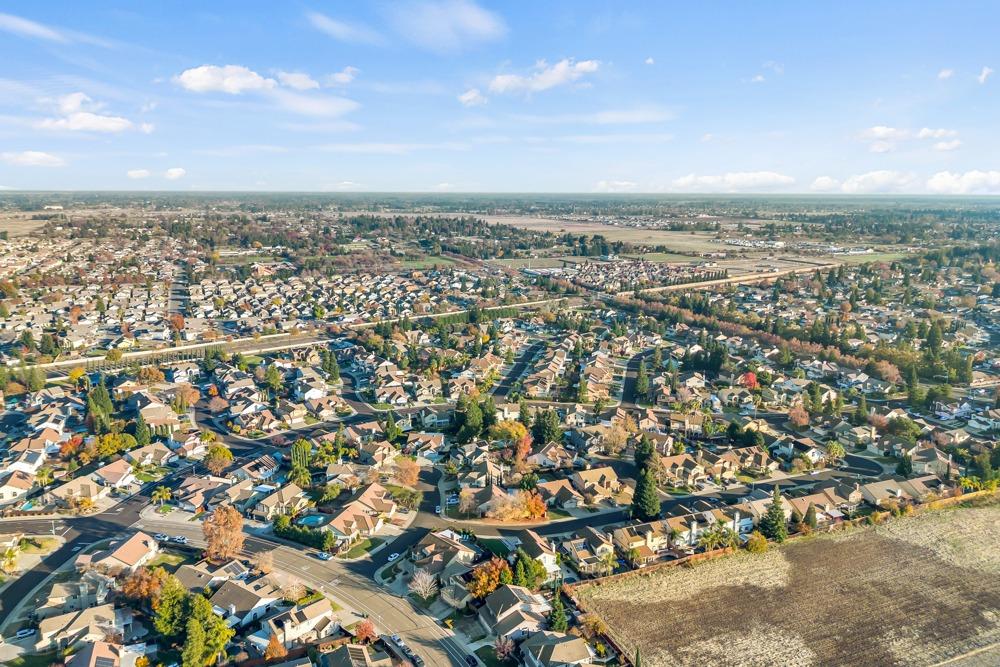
column 179, row 539
column 160, row 537
column 393, row 556
column 437, row 509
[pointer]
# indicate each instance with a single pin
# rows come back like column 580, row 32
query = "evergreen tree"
column 142, row 435
column 905, row 466
column 524, row 413
column 193, row 653
column 557, row 619
column 811, row 517
column 645, row 502
column 772, row 524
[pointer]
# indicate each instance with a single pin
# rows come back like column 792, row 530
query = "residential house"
column 286, row 500
column 589, row 550
column 121, row 555
column 243, row 602
column 513, row 611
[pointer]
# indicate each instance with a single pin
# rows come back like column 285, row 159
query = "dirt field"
column 923, row 590
column 684, row 241
column 19, row 225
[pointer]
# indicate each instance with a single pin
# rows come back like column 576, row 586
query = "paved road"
column 503, row 388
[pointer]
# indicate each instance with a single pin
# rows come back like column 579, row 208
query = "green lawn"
column 555, row 513
column 496, row 546
column 489, row 657
column 873, row 257
column 363, row 547
column 36, row 660
column 37, row 545
column 169, row 560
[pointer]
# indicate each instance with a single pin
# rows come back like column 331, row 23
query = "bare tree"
column 423, row 584
column 467, row 501
column 293, row 590
column 264, row 562
column 223, row 532
column 503, row 647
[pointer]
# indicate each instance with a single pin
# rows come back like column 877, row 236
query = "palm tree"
column 162, row 494
column 8, row 559
column 710, row 539
column 608, row 562
column 44, row 477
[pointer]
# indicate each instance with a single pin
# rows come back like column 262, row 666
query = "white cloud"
column 174, row 173
column 544, row 77
column 137, row 174
column 984, row 74
column 946, row 74
column 297, row 80
column 444, row 187
column 733, row 181
column 885, row 139
column 231, row 79
column 472, row 98
column 937, row 133
column 84, row 121
column 73, row 102
column 313, row 105
column 615, row 186
column 343, row 77
column 25, row 28
column 884, row 133
column 825, row 184
column 954, row 144
column 79, row 114
column 352, row 33
column 757, row 78
column 708, row 136
column 650, row 61
column 970, row 182
column 32, row 159
column 445, row 26
column 883, row 180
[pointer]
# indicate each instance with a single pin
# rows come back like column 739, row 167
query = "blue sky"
column 455, row 95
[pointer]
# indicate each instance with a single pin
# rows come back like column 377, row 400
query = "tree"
column 472, row 422
column 161, row 494
column 8, row 559
column 557, row 619
column 193, row 653
column 423, row 584
column 142, row 436
column 614, row 440
column 645, row 501
column 835, row 451
column 275, row 649
column 466, row 501
column 145, row 585
column 273, row 378
column 407, row 471
column 798, row 417
column 503, row 647
column 364, row 632
column 223, row 532
column 905, row 466
column 217, row 633
column 170, row 607
column 263, row 562
column 547, row 427
column 486, row 577
column 641, row 382
column 392, row 430
column 218, row 458
column 810, row 518
column 773, row 524
column 756, row 543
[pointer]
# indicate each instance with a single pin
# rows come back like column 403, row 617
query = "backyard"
column 916, row 591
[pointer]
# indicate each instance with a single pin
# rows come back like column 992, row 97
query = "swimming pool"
column 312, row 520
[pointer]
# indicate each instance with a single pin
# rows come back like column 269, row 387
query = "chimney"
column 232, row 609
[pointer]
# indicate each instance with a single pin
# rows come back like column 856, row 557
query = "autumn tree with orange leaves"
column 223, row 531
column 487, row 577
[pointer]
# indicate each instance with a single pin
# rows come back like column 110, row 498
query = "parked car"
column 323, row 555
column 179, row 539
column 471, row 661
column 160, row 537
column 437, row 509
column 26, row 632
column 393, row 556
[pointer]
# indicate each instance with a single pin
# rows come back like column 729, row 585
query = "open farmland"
column 681, row 241
column 921, row 590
